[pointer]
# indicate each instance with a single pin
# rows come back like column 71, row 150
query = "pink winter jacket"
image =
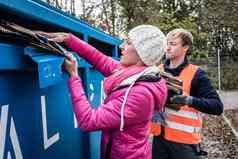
column 143, row 99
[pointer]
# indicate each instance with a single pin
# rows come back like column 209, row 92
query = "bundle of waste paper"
column 32, row 38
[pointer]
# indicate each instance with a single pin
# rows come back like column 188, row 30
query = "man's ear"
column 186, row 48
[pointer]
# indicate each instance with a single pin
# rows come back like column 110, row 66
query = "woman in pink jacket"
column 133, row 91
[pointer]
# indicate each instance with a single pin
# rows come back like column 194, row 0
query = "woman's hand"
column 71, row 65
column 57, row 37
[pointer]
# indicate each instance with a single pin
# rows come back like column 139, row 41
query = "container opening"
column 105, row 48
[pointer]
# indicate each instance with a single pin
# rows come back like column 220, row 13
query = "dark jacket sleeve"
column 205, row 97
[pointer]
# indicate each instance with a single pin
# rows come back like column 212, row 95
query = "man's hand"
column 176, row 107
column 181, row 100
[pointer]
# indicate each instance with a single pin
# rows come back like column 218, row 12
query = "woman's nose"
column 122, row 46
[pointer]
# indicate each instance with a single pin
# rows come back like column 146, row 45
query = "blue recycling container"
column 36, row 116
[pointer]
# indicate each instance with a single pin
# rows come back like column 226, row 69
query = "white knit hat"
column 149, row 43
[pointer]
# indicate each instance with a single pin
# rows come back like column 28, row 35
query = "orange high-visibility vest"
column 183, row 126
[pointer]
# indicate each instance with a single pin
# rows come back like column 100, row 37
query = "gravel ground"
column 218, row 139
column 232, row 115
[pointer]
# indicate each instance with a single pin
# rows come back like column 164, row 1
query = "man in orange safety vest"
column 179, row 135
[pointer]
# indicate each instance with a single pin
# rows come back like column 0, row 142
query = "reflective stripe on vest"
column 183, row 113
column 183, row 127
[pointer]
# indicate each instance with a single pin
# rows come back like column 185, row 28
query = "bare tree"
column 63, row 5
column 104, row 14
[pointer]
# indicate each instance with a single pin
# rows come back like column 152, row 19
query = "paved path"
column 229, row 99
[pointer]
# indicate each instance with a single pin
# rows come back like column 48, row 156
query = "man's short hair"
column 185, row 35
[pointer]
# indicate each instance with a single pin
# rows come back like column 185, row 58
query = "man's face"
column 175, row 49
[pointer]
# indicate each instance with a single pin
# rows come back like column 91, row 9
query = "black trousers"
column 164, row 149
